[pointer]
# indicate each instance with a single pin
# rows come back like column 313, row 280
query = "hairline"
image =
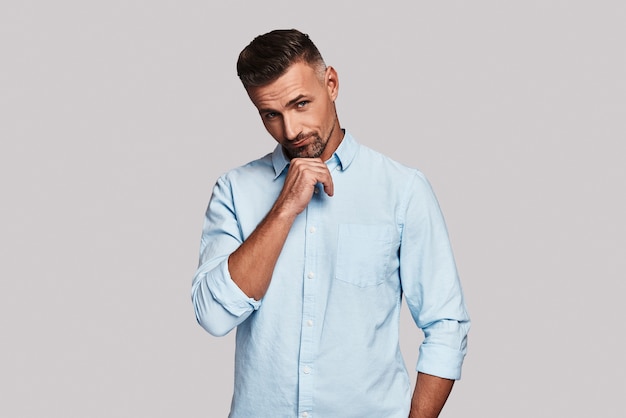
column 319, row 66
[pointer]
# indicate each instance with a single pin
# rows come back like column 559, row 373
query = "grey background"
column 116, row 118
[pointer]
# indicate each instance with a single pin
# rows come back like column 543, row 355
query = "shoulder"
column 396, row 179
column 254, row 170
column 380, row 163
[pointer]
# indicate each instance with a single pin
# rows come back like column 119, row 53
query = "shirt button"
column 312, row 230
column 306, row 370
column 305, row 414
column 316, row 191
column 309, row 323
column 310, row 275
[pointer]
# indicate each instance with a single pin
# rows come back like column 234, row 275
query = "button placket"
column 307, row 342
column 310, row 285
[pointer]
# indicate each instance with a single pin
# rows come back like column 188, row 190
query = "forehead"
column 300, row 79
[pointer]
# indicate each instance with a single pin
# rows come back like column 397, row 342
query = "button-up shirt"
column 323, row 341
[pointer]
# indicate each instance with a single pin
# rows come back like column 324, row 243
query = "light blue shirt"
column 323, row 341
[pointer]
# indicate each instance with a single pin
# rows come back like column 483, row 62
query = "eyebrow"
column 289, row 103
column 295, row 100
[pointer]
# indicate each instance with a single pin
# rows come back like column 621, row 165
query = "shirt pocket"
column 363, row 253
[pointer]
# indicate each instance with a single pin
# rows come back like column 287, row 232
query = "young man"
column 308, row 250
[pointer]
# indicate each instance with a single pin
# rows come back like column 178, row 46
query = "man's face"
column 298, row 110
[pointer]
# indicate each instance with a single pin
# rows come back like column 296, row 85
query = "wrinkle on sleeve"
column 431, row 285
column 219, row 304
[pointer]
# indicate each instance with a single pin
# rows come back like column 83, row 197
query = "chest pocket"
column 363, row 254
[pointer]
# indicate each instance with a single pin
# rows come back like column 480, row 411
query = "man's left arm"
column 434, row 296
column 430, row 395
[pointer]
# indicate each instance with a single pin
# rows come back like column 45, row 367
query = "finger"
column 329, row 188
column 327, row 182
column 318, row 172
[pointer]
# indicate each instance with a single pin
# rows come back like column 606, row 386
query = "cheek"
column 272, row 128
column 319, row 118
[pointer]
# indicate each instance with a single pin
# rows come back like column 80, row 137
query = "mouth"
column 301, row 143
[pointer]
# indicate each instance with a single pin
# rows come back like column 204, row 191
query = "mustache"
column 303, row 136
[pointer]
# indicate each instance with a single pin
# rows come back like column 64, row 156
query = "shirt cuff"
column 228, row 294
column 440, row 361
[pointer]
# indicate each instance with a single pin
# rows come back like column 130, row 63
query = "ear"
column 332, row 82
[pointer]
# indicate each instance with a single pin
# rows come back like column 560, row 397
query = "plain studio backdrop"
column 116, row 118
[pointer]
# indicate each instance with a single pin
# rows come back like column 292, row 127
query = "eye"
column 270, row 115
column 302, row 103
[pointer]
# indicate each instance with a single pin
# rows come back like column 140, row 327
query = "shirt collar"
column 344, row 155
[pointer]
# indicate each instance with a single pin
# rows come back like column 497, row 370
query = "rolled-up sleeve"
column 431, row 284
column 219, row 304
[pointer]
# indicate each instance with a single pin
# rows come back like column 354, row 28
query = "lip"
column 300, row 143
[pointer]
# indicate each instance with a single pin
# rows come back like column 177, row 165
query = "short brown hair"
column 268, row 56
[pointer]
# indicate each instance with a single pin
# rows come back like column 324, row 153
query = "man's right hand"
column 252, row 264
column 302, row 178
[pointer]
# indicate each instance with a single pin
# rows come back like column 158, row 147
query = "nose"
column 291, row 127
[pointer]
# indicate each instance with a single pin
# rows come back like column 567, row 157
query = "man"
column 308, row 250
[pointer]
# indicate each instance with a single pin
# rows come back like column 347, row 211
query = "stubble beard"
column 313, row 150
